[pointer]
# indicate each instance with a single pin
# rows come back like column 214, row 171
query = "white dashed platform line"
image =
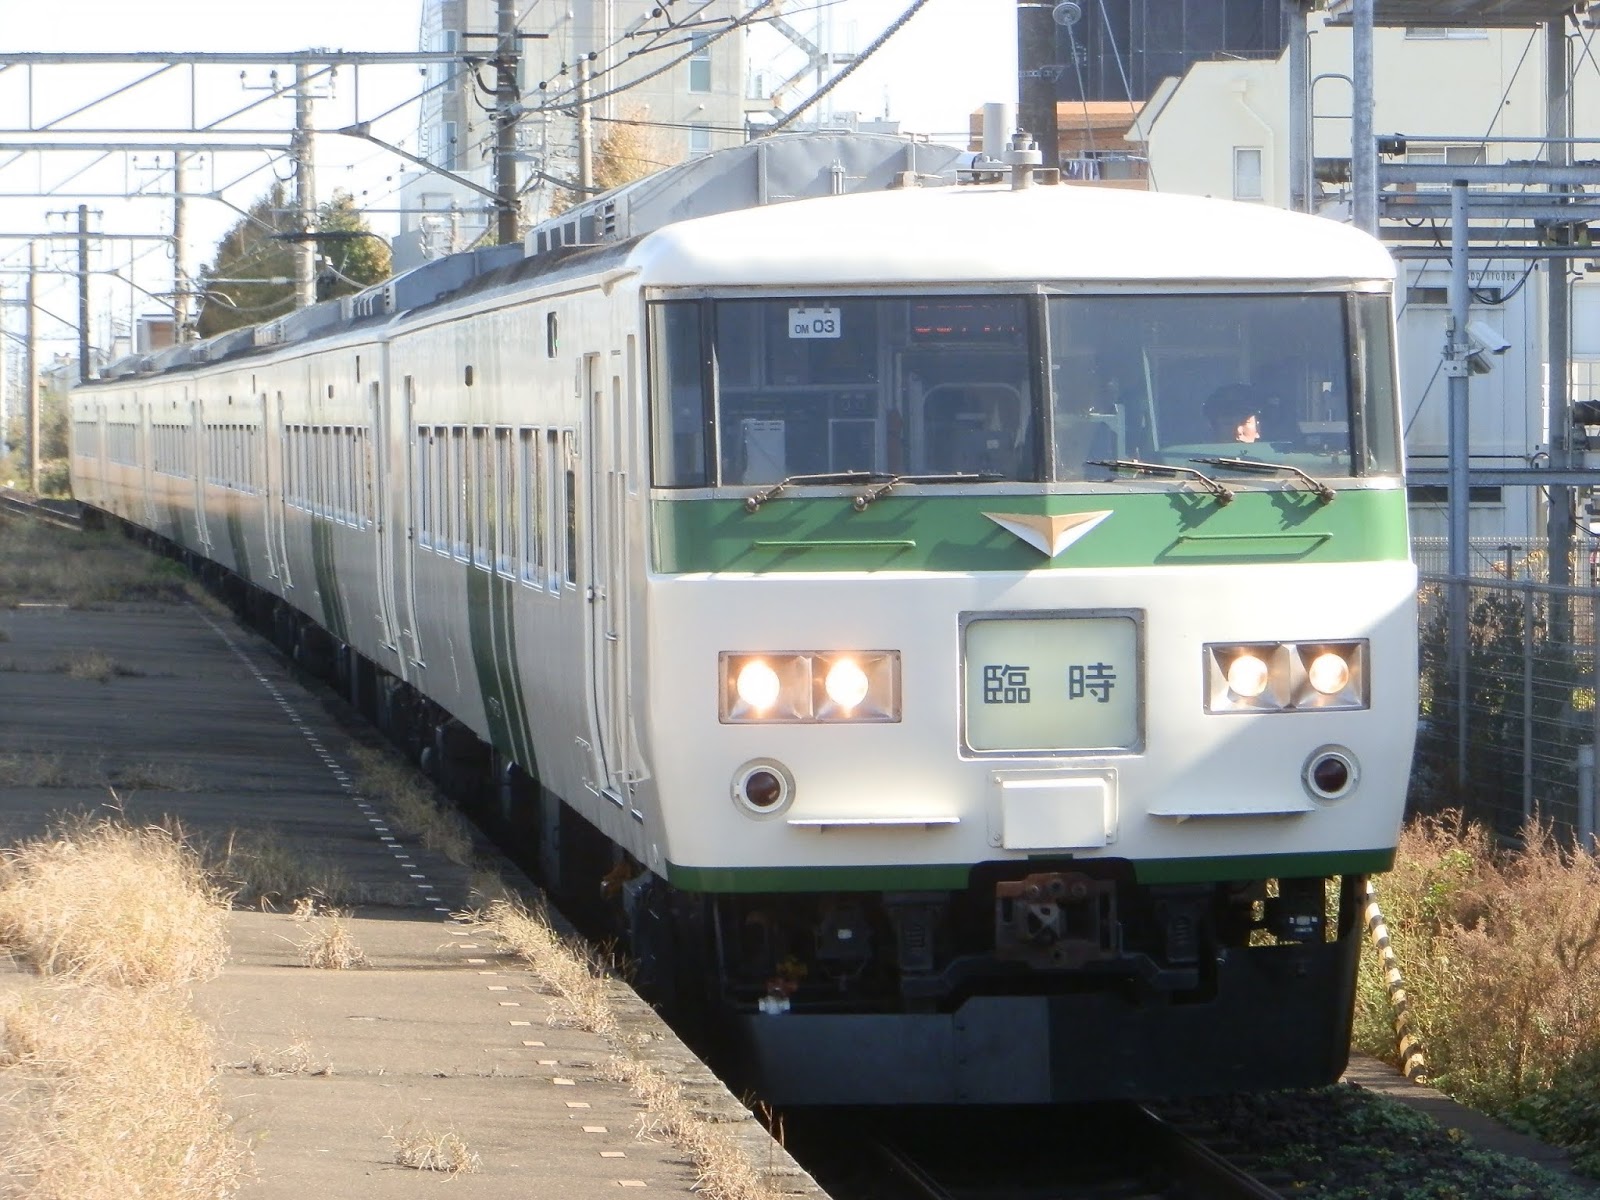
column 341, row 777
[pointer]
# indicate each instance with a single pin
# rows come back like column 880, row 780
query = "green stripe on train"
column 492, row 628
column 333, row 617
column 953, row 876
column 960, row 533
column 236, row 538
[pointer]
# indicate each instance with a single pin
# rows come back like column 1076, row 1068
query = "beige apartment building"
column 1223, row 130
column 681, row 88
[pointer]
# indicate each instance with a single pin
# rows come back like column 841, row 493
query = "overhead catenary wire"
column 877, row 43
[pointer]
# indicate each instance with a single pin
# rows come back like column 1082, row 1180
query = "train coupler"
column 1056, row 919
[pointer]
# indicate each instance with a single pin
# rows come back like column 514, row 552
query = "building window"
column 447, row 149
column 699, row 139
column 1247, row 173
column 700, row 65
column 1434, row 33
column 1454, row 156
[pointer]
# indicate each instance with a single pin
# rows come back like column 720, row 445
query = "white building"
column 1223, row 130
column 683, row 85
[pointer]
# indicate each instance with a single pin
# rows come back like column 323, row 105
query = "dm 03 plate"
column 1052, row 684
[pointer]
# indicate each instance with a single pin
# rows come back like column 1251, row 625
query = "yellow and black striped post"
column 1412, row 1063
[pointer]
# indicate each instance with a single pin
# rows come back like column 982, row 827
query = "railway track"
column 65, row 514
column 1105, row 1152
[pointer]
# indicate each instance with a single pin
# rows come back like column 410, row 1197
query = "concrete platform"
column 325, row 1070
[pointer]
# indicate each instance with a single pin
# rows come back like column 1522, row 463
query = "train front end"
column 1031, row 643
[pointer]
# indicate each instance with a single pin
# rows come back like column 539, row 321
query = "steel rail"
column 64, row 514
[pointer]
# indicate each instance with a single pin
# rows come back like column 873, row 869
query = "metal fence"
column 1508, row 731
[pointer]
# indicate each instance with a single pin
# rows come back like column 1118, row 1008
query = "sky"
column 951, row 57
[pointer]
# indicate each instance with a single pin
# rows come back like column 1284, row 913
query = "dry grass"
column 95, row 665
column 329, row 944
column 576, row 974
column 156, row 777
column 108, row 1080
column 1501, row 957
column 260, row 869
column 297, row 1058
column 49, row 565
column 724, row 1172
column 112, row 1095
column 424, row 1149
column 568, row 966
column 105, row 901
column 29, row 768
column 409, row 800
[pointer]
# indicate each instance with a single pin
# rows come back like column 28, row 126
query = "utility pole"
column 1037, row 74
column 302, row 147
column 83, row 307
column 585, row 131
column 1561, row 527
column 505, row 119
column 30, row 368
column 180, row 255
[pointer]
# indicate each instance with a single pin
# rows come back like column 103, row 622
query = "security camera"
column 1485, row 339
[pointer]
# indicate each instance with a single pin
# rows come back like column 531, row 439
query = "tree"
column 629, row 149
column 250, row 252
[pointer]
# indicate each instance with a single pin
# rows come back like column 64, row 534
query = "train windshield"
column 1302, row 380
column 997, row 388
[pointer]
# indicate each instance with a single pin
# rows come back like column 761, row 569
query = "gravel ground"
column 1346, row 1143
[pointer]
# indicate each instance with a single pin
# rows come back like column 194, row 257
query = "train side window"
column 458, row 491
column 341, row 474
column 570, row 500
column 549, row 517
column 449, row 523
column 680, row 372
column 505, row 493
column 439, row 447
column 482, row 490
column 530, row 504
column 422, row 470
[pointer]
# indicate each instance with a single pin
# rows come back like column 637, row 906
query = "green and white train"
column 871, row 587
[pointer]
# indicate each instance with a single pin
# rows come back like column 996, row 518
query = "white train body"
column 569, row 505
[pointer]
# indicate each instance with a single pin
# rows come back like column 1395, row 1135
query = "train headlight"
column 846, row 684
column 1285, row 676
column 1331, row 675
column 858, row 687
column 766, row 687
column 1248, row 676
column 758, row 685
column 1328, row 673
column 810, row 687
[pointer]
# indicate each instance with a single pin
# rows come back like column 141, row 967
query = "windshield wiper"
column 1223, row 494
column 756, row 499
column 888, row 485
column 1324, row 493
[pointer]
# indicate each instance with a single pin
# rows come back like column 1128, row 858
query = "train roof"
column 987, row 233
column 826, row 210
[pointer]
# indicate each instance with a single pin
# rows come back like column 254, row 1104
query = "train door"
column 144, row 446
column 199, row 466
column 102, row 456
column 410, row 445
column 261, row 469
column 374, row 478
column 276, row 500
column 608, row 584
